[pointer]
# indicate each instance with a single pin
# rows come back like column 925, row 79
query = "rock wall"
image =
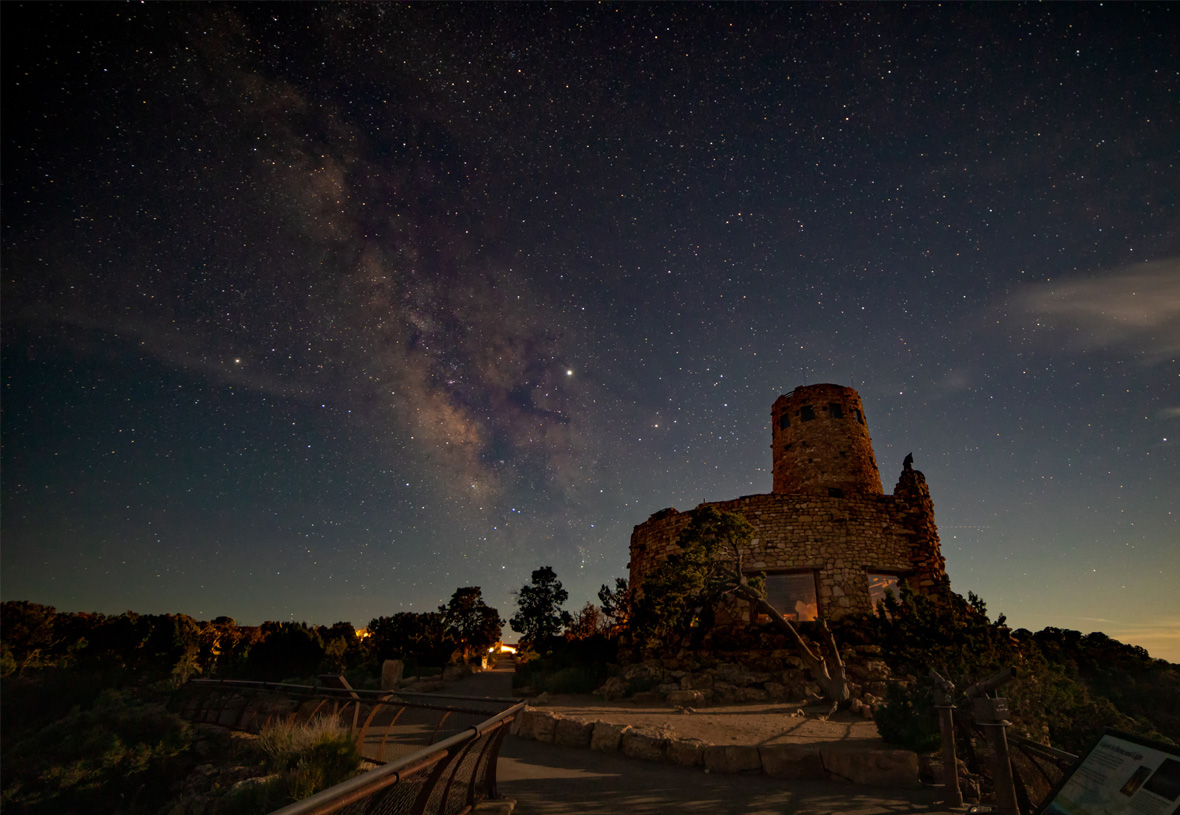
column 839, row 539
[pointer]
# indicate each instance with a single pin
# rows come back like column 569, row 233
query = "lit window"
column 793, row 595
column 881, row 583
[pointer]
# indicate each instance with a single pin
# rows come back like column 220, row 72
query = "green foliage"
column 118, row 756
column 681, row 593
column 540, row 616
column 287, row 649
column 470, row 622
column 411, row 637
column 570, row 666
column 28, row 633
column 908, row 719
column 305, row 759
column 1069, row 686
column 616, row 602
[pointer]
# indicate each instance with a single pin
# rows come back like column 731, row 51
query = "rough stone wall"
column 928, row 563
column 821, row 443
column 840, row 539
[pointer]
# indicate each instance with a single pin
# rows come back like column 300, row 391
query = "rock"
column 665, row 689
column 614, row 688
column 645, row 744
column 686, row 752
column 538, row 725
column 647, row 697
column 606, row 737
column 732, row 759
column 392, row 673
column 751, row 695
column 541, row 699
column 573, row 733
column 791, row 761
column 455, row 671
column 686, row 698
column 776, row 692
column 873, row 768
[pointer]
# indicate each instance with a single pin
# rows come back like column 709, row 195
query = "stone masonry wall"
column 840, row 539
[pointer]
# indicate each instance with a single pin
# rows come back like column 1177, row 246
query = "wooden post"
column 992, row 715
column 944, row 702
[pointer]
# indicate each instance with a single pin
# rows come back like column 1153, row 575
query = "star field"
column 320, row 311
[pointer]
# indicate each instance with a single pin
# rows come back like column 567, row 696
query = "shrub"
column 908, row 719
column 306, row 758
column 118, row 756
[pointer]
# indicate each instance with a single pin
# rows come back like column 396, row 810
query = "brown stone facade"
column 831, row 520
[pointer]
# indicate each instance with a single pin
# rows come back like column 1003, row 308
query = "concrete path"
column 545, row 779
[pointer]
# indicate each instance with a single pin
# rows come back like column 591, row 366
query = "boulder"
column 573, row 733
column 686, row 752
column 686, row 698
column 456, row 671
column 750, row 695
column 538, row 725
column 791, row 761
column 873, row 768
column 606, row 737
column 392, row 673
column 614, row 688
column 645, row 744
column 732, row 759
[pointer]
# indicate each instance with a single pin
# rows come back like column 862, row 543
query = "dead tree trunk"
column 830, row 677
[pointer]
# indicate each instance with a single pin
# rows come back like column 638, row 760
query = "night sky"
column 318, row 312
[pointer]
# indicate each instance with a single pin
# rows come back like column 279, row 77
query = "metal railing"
column 385, row 725
column 1020, row 771
column 448, row 778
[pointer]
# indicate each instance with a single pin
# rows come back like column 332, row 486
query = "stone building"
column 828, row 538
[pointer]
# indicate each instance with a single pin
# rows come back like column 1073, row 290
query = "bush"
column 305, row 757
column 119, row 756
column 908, row 719
column 570, row 666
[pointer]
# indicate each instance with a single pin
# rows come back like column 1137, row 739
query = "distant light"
column 569, row 373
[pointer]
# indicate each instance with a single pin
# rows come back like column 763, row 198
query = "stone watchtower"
column 821, row 444
column 827, row 538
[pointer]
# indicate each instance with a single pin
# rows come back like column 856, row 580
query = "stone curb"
column 876, row 768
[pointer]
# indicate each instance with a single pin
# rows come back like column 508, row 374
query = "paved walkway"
column 545, row 779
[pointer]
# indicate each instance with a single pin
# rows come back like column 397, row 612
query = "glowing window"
column 793, row 595
column 881, row 583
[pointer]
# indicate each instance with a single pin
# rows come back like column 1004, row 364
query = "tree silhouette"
column 540, row 617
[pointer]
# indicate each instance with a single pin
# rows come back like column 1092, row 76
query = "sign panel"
column 1120, row 775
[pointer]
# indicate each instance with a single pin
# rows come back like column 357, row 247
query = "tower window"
column 879, row 584
column 835, row 412
column 784, row 421
column 793, row 595
column 806, row 413
column 859, row 416
column 835, row 492
column 788, row 447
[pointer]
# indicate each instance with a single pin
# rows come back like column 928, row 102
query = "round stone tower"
column 821, row 443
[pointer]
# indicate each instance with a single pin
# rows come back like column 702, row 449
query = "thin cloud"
column 1132, row 308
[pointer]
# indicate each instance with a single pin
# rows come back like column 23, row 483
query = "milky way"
column 321, row 311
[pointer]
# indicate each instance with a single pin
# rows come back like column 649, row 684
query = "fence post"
column 992, row 715
column 944, row 701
